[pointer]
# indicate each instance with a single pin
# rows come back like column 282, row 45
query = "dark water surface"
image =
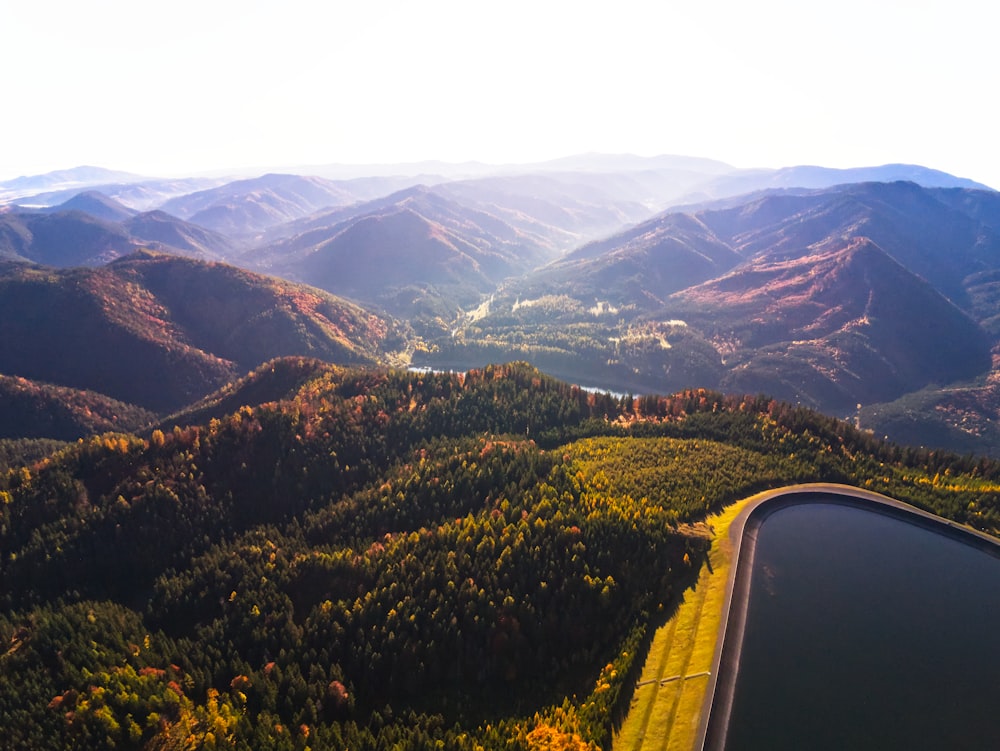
column 865, row 630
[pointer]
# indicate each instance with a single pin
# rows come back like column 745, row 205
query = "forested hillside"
column 382, row 559
column 161, row 331
column 858, row 294
column 38, row 410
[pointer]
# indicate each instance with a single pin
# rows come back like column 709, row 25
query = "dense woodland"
column 323, row 557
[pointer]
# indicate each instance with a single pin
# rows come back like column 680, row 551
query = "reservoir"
column 863, row 626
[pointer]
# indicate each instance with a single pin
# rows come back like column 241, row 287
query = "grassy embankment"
column 666, row 706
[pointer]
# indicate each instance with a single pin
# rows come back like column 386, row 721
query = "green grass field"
column 666, row 705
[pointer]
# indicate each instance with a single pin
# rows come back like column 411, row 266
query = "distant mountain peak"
column 74, row 177
column 98, row 205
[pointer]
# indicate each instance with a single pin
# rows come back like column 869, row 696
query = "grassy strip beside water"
column 667, row 702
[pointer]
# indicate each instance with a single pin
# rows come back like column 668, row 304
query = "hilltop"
column 475, row 560
column 162, row 331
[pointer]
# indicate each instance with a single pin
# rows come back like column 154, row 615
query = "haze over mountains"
column 831, row 288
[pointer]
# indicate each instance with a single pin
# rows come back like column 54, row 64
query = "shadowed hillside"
column 415, row 253
column 64, row 238
column 162, row 331
column 834, row 328
column 185, row 238
column 29, row 409
column 640, row 265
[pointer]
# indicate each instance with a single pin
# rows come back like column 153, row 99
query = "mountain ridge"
column 253, row 204
column 586, row 265
column 890, row 335
column 97, row 205
column 161, row 331
column 781, row 311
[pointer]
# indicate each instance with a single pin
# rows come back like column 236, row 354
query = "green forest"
column 381, row 559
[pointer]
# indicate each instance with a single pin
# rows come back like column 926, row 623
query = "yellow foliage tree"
column 547, row 738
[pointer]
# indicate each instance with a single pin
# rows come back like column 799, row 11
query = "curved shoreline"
column 715, row 712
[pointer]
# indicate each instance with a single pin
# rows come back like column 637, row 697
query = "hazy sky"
column 168, row 88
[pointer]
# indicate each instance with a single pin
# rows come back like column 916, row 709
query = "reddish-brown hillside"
column 162, row 331
column 835, row 325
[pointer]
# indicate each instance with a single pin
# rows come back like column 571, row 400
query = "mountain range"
column 829, row 288
column 91, row 229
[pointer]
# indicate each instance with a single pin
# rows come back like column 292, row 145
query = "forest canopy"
column 388, row 559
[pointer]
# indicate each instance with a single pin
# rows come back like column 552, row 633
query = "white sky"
column 171, row 88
